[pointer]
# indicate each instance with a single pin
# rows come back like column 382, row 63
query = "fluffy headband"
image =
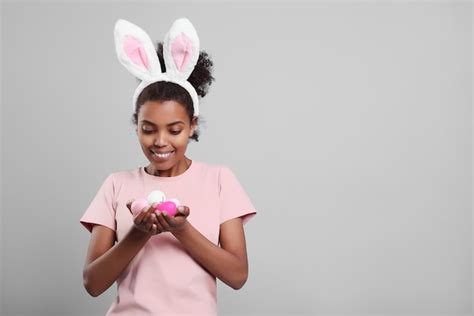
column 136, row 52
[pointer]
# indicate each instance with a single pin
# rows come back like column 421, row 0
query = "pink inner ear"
column 181, row 50
column 134, row 50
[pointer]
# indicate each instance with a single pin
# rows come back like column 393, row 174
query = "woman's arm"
column 104, row 261
column 229, row 263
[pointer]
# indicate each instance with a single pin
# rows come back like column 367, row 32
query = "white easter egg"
column 156, row 197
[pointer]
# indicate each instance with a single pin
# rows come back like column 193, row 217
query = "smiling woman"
column 167, row 265
column 163, row 104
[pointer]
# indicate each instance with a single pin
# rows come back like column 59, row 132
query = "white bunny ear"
column 181, row 49
column 135, row 50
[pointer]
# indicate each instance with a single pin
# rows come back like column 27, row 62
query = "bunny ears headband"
column 137, row 54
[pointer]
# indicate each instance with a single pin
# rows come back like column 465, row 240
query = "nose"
column 160, row 140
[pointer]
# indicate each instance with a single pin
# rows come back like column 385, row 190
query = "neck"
column 176, row 170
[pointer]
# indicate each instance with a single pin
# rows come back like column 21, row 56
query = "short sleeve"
column 233, row 199
column 102, row 208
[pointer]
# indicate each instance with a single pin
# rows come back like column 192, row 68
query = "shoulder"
column 215, row 169
column 116, row 180
column 125, row 175
column 214, row 174
column 221, row 175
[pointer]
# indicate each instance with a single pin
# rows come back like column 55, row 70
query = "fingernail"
column 181, row 208
column 164, row 214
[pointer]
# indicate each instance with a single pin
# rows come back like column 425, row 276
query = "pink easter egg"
column 167, row 206
column 139, row 204
column 175, row 201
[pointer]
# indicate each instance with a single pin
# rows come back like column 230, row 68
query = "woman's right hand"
column 146, row 220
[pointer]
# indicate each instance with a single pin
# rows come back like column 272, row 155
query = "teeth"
column 163, row 155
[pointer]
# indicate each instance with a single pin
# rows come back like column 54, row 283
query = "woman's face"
column 163, row 127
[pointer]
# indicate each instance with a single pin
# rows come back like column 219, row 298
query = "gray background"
column 348, row 124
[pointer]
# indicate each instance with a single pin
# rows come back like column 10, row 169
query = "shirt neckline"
column 186, row 173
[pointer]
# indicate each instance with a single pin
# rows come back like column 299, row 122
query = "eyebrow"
column 177, row 122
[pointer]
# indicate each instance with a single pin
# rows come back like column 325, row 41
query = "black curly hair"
column 201, row 78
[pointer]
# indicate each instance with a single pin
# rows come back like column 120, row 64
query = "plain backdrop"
column 349, row 125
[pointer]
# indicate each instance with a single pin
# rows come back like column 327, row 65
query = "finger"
column 139, row 218
column 184, row 210
column 144, row 219
column 148, row 209
column 170, row 220
column 160, row 228
column 144, row 213
column 153, row 229
column 163, row 222
column 166, row 217
column 149, row 222
column 152, row 218
column 152, row 208
column 129, row 206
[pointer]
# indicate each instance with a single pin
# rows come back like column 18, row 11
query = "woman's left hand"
column 173, row 223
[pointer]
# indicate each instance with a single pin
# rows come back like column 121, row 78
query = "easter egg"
column 156, row 197
column 167, row 206
column 138, row 205
column 175, row 201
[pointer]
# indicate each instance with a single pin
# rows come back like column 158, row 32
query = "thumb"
column 183, row 210
column 129, row 204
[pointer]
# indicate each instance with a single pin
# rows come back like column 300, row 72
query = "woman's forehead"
column 162, row 112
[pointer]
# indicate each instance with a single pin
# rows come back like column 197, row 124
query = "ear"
column 135, row 50
column 193, row 126
column 181, row 49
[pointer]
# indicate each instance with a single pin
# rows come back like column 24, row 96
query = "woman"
column 167, row 265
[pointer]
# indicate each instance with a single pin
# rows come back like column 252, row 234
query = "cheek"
column 145, row 139
column 181, row 142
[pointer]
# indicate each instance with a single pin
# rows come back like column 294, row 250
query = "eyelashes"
column 171, row 132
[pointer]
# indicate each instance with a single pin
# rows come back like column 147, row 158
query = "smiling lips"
column 162, row 155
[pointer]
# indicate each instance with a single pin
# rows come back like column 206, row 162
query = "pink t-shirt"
column 163, row 279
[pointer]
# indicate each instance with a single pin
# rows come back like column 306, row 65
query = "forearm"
column 104, row 271
column 222, row 264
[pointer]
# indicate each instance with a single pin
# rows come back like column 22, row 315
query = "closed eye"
column 151, row 131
